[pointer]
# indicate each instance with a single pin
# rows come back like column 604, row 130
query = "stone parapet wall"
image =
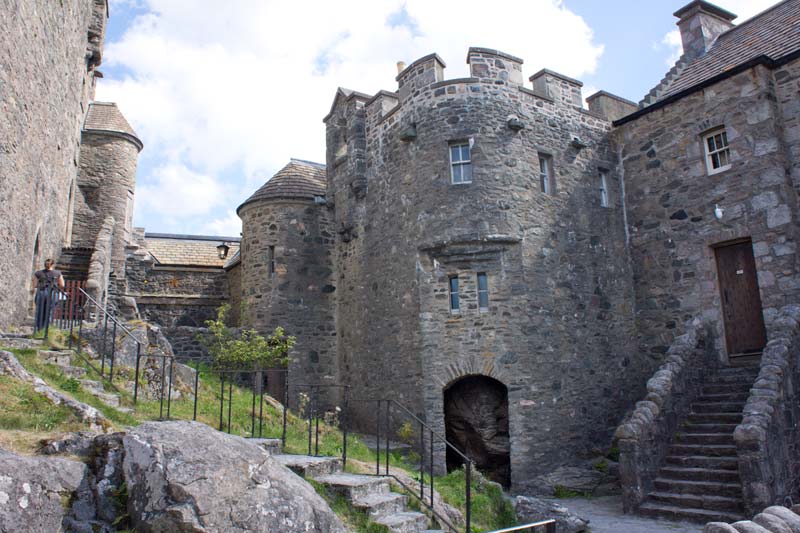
column 645, row 436
column 100, row 263
column 767, row 439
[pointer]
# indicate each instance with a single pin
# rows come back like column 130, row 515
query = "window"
column 546, row 179
column 483, row 292
column 460, row 163
column 603, row 189
column 718, row 155
column 271, row 260
column 454, row 307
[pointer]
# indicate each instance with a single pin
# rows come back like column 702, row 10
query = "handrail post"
column 80, row 329
column 344, row 425
column 103, row 349
column 308, row 406
column 221, row 396
column 169, row 389
column 230, row 400
column 431, row 472
column 163, row 377
column 468, row 489
column 253, row 409
column 421, row 461
column 261, row 404
column 378, row 440
column 316, row 421
column 285, row 409
column 71, row 318
column 196, row 378
column 388, row 431
column 136, row 375
column 113, row 351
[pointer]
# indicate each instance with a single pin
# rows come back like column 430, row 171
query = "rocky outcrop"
column 530, row 510
column 767, row 440
column 183, row 476
column 10, row 366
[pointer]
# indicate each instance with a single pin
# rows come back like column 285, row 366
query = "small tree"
column 248, row 349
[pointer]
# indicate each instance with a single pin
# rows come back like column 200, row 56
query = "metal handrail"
column 549, row 525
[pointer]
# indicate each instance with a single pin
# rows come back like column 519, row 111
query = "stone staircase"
column 369, row 494
column 699, row 478
column 63, row 359
column 74, row 263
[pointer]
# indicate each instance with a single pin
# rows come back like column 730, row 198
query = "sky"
column 223, row 94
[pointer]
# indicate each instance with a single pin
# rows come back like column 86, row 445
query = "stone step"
column 310, row 466
column 273, row 446
column 658, row 510
column 704, row 438
column 704, row 461
column 377, row 505
column 721, row 388
column 717, row 407
column 708, row 428
column 92, row 387
column 714, row 418
column 56, row 357
column 699, row 474
column 698, row 501
column 732, row 379
column 112, row 400
column 405, row 522
column 73, row 371
column 355, row 486
column 708, row 450
column 684, row 486
column 737, row 396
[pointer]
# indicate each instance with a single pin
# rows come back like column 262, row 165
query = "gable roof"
column 188, row 250
column 773, row 34
column 299, row 179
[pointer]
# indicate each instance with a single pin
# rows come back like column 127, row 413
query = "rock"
column 534, row 510
column 583, row 479
column 772, row 523
column 718, row 527
column 80, row 444
column 185, row 476
column 790, row 518
column 35, row 493
column 746, row 526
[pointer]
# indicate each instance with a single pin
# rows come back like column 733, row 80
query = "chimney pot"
column 401, row 66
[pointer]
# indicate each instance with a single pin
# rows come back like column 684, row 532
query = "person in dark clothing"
column 46, row 282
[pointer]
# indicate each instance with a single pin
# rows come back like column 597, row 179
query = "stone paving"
column 605, row 516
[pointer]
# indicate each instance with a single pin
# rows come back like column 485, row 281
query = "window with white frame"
column 483, row 292
column 460, row 163
column 603, row 188
column 454, row 304
column 718, row 154
column 546, row 179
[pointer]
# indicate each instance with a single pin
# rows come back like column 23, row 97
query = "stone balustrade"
column 767, row 438
column 645, row 436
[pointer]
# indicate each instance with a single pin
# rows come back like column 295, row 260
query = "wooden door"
column 741, row 301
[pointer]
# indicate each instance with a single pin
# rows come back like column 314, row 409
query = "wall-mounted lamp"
column 718, row 211
column 222, row 250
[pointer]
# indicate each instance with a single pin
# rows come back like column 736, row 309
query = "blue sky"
column 223, row 97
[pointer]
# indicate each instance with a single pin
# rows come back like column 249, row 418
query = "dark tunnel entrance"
column 476, row 421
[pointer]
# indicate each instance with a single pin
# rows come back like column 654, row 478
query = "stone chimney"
column 701, row 23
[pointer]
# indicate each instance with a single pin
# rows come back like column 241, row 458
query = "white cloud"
column 176, row 191
column 237, row 88
column 229, row 225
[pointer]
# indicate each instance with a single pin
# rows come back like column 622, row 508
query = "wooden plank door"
column 741, row 301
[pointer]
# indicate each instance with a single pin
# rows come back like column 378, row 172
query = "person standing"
column 46, row 282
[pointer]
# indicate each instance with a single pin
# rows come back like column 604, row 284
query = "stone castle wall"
column 298, row 295
column 671, row 200
column 46, row 62
column 558, row 329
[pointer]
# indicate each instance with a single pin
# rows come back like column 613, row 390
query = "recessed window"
column 271, row 260
column 546, row 179
column 454, row 305
column 460, row 163
column 603, row 188
column 718, row 154
column 483, row 292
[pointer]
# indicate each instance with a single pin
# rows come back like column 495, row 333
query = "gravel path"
column 605, row 516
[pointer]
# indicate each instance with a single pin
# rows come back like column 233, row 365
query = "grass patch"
column 563, row 492
column 22, row 408
column 490, row 510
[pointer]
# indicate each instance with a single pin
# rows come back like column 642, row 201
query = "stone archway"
column 476, row 422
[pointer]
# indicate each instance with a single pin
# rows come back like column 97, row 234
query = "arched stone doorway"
column 476, row 421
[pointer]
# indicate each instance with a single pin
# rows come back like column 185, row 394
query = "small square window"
column 718, row 154
column 483, row 292
column 546, row 178
column 454, row 304
column 460, row 163
column 603, row 187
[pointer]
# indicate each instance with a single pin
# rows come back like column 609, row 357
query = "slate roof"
column 298, row 179
column 107, row 116
column 189, row 250
column 774, row 33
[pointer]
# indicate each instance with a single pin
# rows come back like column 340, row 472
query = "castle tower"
column 106, row 179
column 286, row 275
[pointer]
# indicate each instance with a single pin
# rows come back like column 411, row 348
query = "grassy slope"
column 489, row 510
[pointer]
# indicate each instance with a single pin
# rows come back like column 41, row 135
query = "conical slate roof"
column 298, row 179
column 106, row 117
